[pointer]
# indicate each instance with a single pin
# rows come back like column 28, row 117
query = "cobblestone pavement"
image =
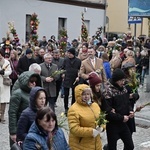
column 142, row 134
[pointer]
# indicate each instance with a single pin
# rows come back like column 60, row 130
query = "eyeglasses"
column 33, row 79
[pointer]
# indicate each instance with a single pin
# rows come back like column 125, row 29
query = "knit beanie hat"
column 72, row 51
column 117, row 75
column 94, row 79
column 28, row 51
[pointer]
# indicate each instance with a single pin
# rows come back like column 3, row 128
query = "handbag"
column 7, row 81
column 15, row 146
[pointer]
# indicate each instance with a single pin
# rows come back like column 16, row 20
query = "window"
column 28, row 30
column 87, row 23
column 62, row 23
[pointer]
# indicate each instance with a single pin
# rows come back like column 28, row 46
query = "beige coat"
column 115, row 63
column 87, row 68
column 129, row 59
column 4, row 89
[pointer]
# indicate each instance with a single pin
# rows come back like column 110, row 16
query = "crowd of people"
column 102, row 76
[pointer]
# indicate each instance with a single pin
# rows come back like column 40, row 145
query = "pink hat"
column 94, row 79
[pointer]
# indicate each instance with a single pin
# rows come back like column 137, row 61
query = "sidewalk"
column 143, row 117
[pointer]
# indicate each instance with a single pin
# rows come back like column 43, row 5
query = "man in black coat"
column 40, row 57
column 72, row 66
column 25, row 61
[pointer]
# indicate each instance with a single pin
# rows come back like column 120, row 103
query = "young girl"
column 95, row 84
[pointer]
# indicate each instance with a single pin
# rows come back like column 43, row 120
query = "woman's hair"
column 49, row 114
column 15, row 53
column 105, row 57
column 130, row 53
column 85, row 44
column 38, row 94
column 96, row 95
column 116, row 53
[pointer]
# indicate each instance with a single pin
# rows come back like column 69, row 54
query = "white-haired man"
column 49, row 83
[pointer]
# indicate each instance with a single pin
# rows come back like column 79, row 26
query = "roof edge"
column 79, row 3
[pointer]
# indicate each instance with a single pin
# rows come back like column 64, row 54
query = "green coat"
column 20, row 99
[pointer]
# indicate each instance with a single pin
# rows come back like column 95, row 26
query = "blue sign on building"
column 139, row 8
column 133, row 20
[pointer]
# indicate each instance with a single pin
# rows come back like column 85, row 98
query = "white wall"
column 48, row 14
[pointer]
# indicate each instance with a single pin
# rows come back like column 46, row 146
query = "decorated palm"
column 63, row 41
column 84, row 32
column 98, row 33
column 14, row 32
column 34, row 23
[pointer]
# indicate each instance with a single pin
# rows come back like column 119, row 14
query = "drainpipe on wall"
column 106, row 5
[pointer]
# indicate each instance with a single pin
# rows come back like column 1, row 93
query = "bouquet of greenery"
column 101, row 121
column 57, row 72
column 133, row 82
column 99, row 71
column 62, row 121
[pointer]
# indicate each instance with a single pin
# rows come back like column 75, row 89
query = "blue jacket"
column 107, row 69
column 28, row 115
column 38, row 138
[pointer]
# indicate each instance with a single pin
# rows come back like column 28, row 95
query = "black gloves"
column 2, row 72
column 135, row 96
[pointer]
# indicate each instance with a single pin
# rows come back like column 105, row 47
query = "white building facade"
column 52, row 16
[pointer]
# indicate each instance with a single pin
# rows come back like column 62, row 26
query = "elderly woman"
column 5, row 71
column 129, row 58
column 81, row 117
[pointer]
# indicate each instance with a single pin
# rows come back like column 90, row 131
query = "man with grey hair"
column 49, row 82
column 59, row 62
column 35, row 67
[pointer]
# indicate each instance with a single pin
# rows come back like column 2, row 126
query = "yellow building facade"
column 117, row 13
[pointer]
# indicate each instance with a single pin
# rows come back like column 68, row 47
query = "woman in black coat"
column 132, row 85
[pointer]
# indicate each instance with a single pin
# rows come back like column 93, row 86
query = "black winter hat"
column 127, row 65
column 29, row 51
column 117, row 75
column 72, row 51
